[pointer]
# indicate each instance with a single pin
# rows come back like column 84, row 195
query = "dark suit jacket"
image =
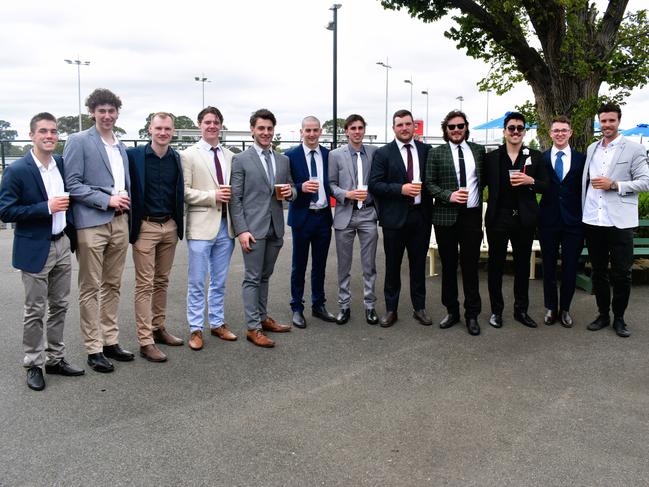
column 23, row 200
column 298, row 209
column 138, row 190
column 528, row 207
column 441, row 180
column 561, row 202
column 387, row 175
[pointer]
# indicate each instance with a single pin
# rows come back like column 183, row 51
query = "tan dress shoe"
column 196, row 340
column 270, row 324
column 259, row 338
column 223, row 333
column 163, row 336
column 152, row 353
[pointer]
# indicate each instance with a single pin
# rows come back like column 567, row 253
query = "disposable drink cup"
column 122, row 192
column 512, row 172
column 278, row 191
column 63, row 194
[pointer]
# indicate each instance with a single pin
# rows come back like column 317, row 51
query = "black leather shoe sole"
column 120, row 356
column 65, row 370
column 448, row 321
column 371, row 317
column 35, row 380
column 298, row 320
column 328, row 317
column 496, row 321
column 103, row 366
column 343, row 317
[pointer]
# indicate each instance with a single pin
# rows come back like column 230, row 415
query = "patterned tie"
column 269, row 167
column 314, row 174
column 558, row 165
column 359, row 176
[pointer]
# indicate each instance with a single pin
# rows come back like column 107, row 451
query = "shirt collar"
column 613, row 143
column 354, row 151
column 307, row 150
column 401, row 144
column 203, row 144
column 462, row 144
column 260, row 150
column 566, row 151
column 50, row 167
column 115, row 144
column 148, row 150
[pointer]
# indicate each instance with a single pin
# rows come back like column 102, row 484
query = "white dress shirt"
column 595, row 208
column 471, row 175
column 204, row 145
column 415, row 161
column 566, row 158
column 53, row 183
column 260, row 152
column 322, row 196
column 116, row 164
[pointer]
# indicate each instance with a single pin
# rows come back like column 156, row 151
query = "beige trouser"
column 153, row 256
column 101, row 254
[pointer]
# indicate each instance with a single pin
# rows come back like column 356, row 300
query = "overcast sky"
column 272, row 54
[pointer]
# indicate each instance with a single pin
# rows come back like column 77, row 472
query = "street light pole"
column 409, row 81
column 461, row 98
column 487, row 120
column 79, row 63
column 387, row 71
column 202, row 79
column 333, row 26
column 425, row 92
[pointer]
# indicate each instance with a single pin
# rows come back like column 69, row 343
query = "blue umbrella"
column 497, row 123
column 642, row 129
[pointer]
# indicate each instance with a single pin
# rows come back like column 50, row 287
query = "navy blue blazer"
column 561, row 202
column 136, row 170
column 23, row 201
column 387, row 175
column 298, row 209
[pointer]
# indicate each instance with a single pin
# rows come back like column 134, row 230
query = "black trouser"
column 571, row 241
column 616, row 245
column 508, row 227
column 467, row 234
column 415, row 237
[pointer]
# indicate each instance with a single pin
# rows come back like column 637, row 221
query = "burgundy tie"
column 410, row 170
column 219, row 172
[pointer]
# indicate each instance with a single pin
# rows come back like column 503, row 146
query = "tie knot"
column 214, row 149
column 265, row 152
column 312, row 152
column 407, row 146
column 560, row 153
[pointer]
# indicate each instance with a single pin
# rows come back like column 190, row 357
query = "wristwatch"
column 613, row 186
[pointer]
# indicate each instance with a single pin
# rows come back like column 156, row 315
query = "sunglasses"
column 454, row 126
column 515, row 128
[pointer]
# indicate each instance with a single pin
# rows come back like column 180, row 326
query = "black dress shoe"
column 550, row 317
column 371, row 317
column 449, row 320
column 620, row 328
column 298, row 319
column 566, row 319
column 62, row 367
column 118, row 353
column 322, row 313
column 99, row 363
column 524, row 319
column 389, row 319
column 472, row 326
column 343, row 316
column 35, row 380
column 602, row 321
column 496, row 320
column 421, row 316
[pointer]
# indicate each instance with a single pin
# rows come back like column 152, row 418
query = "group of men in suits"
column 101, row 196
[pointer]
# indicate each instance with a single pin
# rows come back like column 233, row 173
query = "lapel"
column 100, row 148
column 547, row 160
column 616, row 157
column 260, row 166
column 351, row 164
column 207, row 158
column 476, row 161
column 33, row 168
column 448, row 160
column 395, row 156
column 139, row 167
column 422, row 159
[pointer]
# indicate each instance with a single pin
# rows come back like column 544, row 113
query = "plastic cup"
column 278, row 191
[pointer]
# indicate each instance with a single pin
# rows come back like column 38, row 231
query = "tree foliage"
column 180, row 122
column 7, row 135
column 69, row 124
column 564, row 49
column 328, row 126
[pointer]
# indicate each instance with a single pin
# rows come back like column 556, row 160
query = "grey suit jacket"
column 630, row 170
column 253, row 199
column 342, row 178
column 89, row 178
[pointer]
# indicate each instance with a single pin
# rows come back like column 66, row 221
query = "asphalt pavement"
column 352, row 405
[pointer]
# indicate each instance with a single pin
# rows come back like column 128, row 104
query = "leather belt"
column 157, row 219
column 317, row 210
column 56, row 237
column 120, row 212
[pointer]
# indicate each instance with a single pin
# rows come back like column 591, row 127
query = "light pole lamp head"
column 330, row 26
column 424, row 92
column 335, row 6
column 407, row 81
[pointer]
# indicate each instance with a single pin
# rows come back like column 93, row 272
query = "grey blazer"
column 253, row 199
column 630, row 170
column 342, row 178
column 89, row 178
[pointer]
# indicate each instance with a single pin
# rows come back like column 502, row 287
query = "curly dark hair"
column 451, row 115
column 264, row 114
column 102, row 96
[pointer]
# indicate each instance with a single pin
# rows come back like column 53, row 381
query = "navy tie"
column 558, row 165
column 314, row 174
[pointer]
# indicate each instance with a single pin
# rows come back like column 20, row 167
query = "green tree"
column 564, row 49
column 7, row 135
column 180, row 122
column 69, row 124
column 277, row 140
column 328, row 126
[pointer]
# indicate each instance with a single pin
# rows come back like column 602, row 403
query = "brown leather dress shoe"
column 164, row 337
column 258, row 338
column 389, row 319
column 196, row 340
column 223, row 333
column 152, row 353
column 270, row 324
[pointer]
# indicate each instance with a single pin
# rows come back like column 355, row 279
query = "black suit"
column 512, row 214
column 405, row 225
column 560, row 225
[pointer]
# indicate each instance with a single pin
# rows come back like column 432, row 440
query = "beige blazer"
column 202, row 213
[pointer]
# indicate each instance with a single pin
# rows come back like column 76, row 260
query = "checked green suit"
column 456, row 228
column 441, row 180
